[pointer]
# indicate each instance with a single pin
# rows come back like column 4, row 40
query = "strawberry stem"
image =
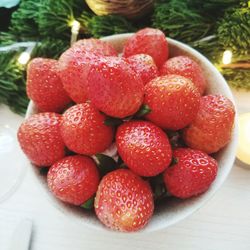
column 111, row 121
column 106, row 164
column 174, row 161
column 89, row 204
column 144, row 110
column 44, row 171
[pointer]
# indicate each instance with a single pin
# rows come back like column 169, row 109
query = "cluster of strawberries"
column 150, row 107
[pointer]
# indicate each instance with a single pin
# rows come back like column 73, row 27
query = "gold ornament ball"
column 131, row 9
column 243, row 151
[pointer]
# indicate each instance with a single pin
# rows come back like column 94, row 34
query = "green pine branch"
column 12, row 82
column 99, row 26
column 234, row 30
column 50, row 47
column 23, row 20
column 179, row 21
column 237, row 78
column 54, row 18
column 213, row 8
column 232, row 34
column 42, row 19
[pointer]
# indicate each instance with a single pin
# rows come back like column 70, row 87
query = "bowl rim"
column 207, row 195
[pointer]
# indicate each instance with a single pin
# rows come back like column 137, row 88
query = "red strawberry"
column 114, row 88
column 185, row 66
column 83, row 130
column 44, row 85
column 145, row 66
column 212, row 128
column 148, row 41
column 124, row 201
column 173, row 100
column 192, row 174
column 98, row 46
column 144, row 147
column 73, row 179
column 73, row 69
column 40, row 139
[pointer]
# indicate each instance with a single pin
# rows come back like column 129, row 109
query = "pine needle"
column 50, row 47
column 54, row 18
column 237, row 78
column 99, row 26
column 234, row 30
column 179, row 21
column 213, row 8
column 12, row 82
column 23, row 21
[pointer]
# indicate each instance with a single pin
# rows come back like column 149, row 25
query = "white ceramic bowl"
column 175, row 209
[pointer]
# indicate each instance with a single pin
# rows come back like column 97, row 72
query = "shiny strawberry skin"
column 73, row 68
column 192, row 174
column 114, row 88
column 73, row 179
column 212, row 128
column 83, row 130
column 185, row 66
column 144, row 65
column 144, row 147
column 173, row 100
column 40, row 138
column 148, row 41
column 124, row 201
column 97, row 46
column 44, row 85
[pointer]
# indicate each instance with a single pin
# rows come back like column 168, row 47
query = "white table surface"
column 223, row 223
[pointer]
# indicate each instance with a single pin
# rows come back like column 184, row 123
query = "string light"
column 243, row 151
column 24, row 58
column 227, row 57
column 75, row 27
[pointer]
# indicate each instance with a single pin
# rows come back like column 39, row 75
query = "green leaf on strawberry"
column 174, row 161
column 89, row 204
column 144, row 110
column 158, row 187
column 43, row 171
column 106, row 164
column 111, row 121
column 175, row 139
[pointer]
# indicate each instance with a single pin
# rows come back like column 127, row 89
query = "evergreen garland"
column 238, row 78
column 213, row 8
column 48, row 22
column 23, row 22
column 98, row 26
column 54, row 18
column 234, row 30
column 12, row 82
column 179, row 21
column 50, row 47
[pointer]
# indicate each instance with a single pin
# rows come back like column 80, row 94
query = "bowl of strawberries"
column 130, row 132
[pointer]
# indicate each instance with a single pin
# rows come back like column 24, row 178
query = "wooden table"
column 223, row 223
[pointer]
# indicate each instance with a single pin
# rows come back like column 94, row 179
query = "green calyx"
column 89, row 204
column 105, row 164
